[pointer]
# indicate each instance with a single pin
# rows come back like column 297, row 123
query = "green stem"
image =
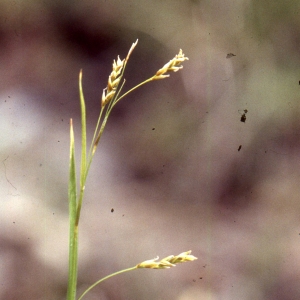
column 90, row 156
column 104, row 278
column 73, row 233
column 73, row 261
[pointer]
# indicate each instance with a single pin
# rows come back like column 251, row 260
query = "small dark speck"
column 229, row 55
column 123, row 215
column 200, row 277
column 14, row 222
column 194, row 280
column 243, row 118
column 9, row 96
column 58, row 141
column 299, row 82
column 240, row 147
column 153, row 128
column 112, row 210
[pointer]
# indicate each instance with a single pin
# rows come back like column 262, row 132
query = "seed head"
column 113, row 81
column 154, row 264
column 115, row 77
column 167, row 262
column 180, row 258
column 173, row 65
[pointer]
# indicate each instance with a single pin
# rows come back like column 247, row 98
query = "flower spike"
column 167, row 262
column 113, row 81
column 173, row 65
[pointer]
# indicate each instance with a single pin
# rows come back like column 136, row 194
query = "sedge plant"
column 110, row 97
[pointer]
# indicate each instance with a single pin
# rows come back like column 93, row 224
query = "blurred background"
column 177, row 165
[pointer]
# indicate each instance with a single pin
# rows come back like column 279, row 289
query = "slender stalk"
column 73, row 265
column 104, row 278
column 134, row 88
column 94, row 138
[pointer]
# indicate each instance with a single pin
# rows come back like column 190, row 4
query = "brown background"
column 168, row 163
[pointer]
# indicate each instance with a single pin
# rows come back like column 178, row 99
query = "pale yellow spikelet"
column 173, row 65
column 182, row 257
column 167, row 262
column 115, row 77
column 113, row 81
column 154, row 264
column 131, row 49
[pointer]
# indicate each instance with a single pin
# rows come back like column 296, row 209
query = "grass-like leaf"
column 83, row 167
column 72, row 219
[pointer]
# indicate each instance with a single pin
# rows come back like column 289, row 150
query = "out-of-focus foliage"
column 169, row 164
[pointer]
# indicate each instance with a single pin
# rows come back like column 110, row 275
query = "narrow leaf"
column 72, row 218
column 83, row 135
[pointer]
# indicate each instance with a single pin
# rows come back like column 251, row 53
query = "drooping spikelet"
column 167, row 262
column 173, row 65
